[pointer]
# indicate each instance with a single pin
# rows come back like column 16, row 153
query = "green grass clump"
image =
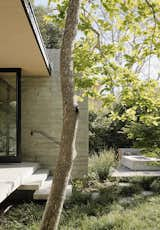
column 143, row 214
column 24, row 216
column 99, row 165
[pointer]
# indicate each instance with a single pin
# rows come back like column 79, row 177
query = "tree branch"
column 154, row 30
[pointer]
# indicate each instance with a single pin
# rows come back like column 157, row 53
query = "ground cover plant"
column 97, row 204
column 138, row 212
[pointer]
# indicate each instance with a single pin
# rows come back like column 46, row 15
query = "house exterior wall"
column 42, row 121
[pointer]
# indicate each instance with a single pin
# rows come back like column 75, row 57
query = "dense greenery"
column 51, row 34
column 114, row 52
column 117, row 45
column 104, row 132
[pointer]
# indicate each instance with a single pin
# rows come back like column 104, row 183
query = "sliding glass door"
column 10, row 115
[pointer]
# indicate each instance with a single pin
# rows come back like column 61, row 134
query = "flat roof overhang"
column 21, row 44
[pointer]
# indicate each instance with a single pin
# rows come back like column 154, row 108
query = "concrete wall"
column 42, row 121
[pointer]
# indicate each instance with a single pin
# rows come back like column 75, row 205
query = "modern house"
column 30, row 101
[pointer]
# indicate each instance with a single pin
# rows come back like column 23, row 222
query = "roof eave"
column 35, row 28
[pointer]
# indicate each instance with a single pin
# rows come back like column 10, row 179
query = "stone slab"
column 124, row 184
column 34, row 181
column 12, row 175
column 126, row 172
column 128, row 152
column 43, row 192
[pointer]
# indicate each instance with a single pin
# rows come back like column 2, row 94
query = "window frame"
column 17, row 157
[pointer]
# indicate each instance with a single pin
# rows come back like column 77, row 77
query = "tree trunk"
column 67, row 153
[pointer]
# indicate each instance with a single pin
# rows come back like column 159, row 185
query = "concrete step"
column 12, row 175
column 43, row 192
column 5, row 190
column 34, row 181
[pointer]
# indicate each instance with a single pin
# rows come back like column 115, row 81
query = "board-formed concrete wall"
column 42, row 121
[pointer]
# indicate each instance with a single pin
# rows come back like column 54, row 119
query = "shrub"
column 144, row 135
column 145, row 182
column 108, row 195
column 104, row 132
column 99, row 165
column 151, row 152
column 133, row 188
column 78, row 198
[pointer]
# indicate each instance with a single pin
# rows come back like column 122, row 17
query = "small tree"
column 67, row 153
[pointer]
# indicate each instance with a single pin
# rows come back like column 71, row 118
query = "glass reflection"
column 7, row 116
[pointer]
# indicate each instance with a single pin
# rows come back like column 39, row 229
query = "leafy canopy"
column 117, row 42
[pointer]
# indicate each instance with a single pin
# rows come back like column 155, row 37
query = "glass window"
column 8, row 115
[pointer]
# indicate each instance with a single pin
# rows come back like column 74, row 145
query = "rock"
column 126, row 200
column 147, row 193
column 95, row 195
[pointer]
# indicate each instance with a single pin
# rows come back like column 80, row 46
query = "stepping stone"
column 126, row 200
column 125, row 184
column 43, row 192
column 34, row 181
column 147, row 193
column 95, row 195
column 126, row 172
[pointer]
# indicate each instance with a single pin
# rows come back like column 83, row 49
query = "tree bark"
column 67, row 152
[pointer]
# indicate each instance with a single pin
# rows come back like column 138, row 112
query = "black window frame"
column 17, row 158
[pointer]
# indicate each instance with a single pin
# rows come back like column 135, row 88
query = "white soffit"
column 21, row 45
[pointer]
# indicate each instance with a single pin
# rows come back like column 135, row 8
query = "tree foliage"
column 106, row 133
column 51, row 34
column 116, row 44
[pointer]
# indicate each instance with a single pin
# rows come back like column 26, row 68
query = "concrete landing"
column 43, row 192
column 12, row 175
column 34, row 181
column 126, row 172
